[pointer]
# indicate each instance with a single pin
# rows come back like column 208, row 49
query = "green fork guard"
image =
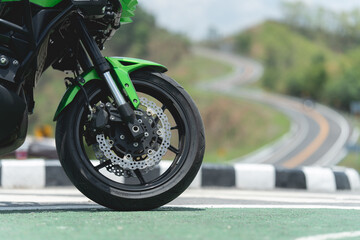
column 122, row 67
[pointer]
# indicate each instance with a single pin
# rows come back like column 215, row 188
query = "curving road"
column 318, row 134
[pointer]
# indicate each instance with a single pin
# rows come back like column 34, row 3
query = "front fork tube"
column 101, row 65
column 119, row 98
column 103, row 68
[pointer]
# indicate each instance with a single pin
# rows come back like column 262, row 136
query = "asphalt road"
column 71, row 199
column 196, row 214
column 318, row 135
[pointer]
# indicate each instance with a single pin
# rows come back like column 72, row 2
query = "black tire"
column 158, row 189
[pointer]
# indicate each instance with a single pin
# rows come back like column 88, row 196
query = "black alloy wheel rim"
column 181, row 126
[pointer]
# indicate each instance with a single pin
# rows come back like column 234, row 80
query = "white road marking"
column 46, row 208
column 341, row 235
column 45, row 199
column 331, row 157
column 255, row 206
column 292, row 195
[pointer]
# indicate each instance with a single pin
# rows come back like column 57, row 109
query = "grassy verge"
column 236, row 127
column 198, row 69
column 352, row 160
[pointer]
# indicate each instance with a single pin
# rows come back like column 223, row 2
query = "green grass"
column 196, row 69
column 352, row 160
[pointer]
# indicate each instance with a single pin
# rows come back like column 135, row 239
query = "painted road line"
column 52, row 207
column 239, row 206
column 294, row 142
column 341, row 235
column 57, row 199
column 315, row 144
column 331, row 158
column 276, row 199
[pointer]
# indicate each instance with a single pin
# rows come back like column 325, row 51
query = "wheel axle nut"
column 135, row 129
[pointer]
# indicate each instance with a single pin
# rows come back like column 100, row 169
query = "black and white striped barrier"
column 40, row 173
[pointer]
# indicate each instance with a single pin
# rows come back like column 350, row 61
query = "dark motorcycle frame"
column 35, row 43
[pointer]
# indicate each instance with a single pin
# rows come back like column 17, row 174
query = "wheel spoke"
column 139, row 176
column 103, row 164
column 173, row 149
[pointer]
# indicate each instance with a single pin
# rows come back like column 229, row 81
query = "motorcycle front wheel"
column 123, row 174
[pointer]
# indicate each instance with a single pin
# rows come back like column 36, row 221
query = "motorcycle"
column 120, row 117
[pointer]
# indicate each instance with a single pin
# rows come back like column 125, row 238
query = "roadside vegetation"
column 352, row 159
column 310, row 53
column 233, row 127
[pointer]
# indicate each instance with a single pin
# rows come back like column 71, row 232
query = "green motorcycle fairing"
column 128, row 7
column 122, row 67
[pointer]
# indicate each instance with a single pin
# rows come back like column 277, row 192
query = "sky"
column 194, row 18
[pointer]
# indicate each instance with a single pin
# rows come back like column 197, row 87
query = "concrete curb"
column 39, row 173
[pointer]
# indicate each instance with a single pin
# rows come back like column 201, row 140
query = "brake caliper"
column 126, row 154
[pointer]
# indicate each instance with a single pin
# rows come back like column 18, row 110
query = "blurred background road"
column 318, row 135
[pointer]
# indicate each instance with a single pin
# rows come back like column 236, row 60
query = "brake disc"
column 104, row 151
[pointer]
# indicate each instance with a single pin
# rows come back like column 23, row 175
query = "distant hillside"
column 302, row 66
